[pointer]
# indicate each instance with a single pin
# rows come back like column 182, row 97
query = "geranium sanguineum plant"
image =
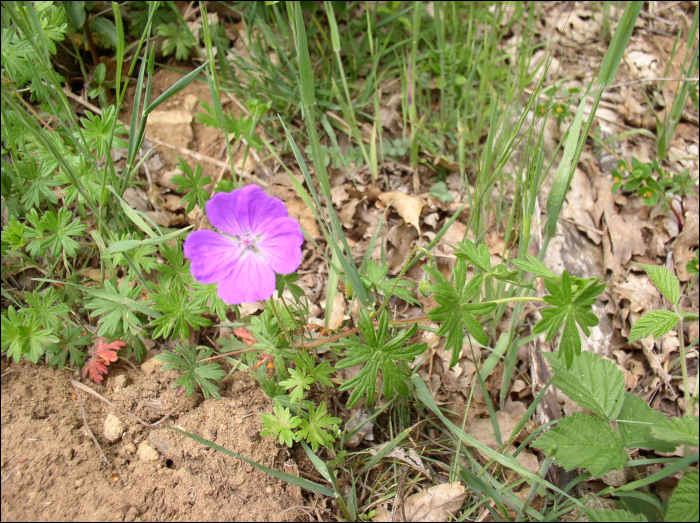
column 258, row 240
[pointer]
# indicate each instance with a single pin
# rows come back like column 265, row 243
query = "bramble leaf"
column 683, row 505
column 584, row 441
column 664, row 280
column 454, row 310
column 635, row 422
column 569, row 308
column 378, row 353
column 682, row 431
column 593, row 382
column 655, row 323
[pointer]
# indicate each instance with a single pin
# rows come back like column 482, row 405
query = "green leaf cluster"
column 454, row 310
column 378, row 352
column 188, row 359
column 572, row 301
column 590, row 440
column 192, row 184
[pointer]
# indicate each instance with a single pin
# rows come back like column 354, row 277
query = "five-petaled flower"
column 259, row 239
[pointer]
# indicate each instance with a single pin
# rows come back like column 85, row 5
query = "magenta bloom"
column 259, row 239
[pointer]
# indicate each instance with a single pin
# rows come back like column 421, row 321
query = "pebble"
column 113, row 428
column 147, row 453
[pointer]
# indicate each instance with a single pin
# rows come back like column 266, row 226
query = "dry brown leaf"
column 438, row 503
column 409, row 207
column 338, row 312
column 411, row 457
column 298, row 210
column 684, row 246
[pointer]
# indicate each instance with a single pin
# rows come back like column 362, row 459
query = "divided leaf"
column 664, row 280
column 593, row 382
column 187, row 359
column 635, row 422
column 584, row 441
column 569, row 308
column 102, row 354
column 378, row 353
column 654, row 323
column 682, row 431
column 454, row 310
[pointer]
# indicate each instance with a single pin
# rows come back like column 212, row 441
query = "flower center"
column 247, row 241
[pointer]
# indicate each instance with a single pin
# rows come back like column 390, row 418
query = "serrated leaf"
column 569, row 308
column 635, row 422
column 378, row 353
column 682, row 431
column 683, row 505
column 454, row 310
column 613, row 516
column 477, row 256
column 664, row 280
column 584, row 441
column 594, row 383
column 654, row 323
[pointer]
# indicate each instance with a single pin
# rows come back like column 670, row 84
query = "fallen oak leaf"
column 102, row 354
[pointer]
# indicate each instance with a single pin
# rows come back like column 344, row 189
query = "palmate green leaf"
column 280, row 424
column 22, row 336
column 179, row 313
column 378, row 353
column 299, row 381
column 584, row 441
column 683, row 505
column 192, row 182
column 681, row 431
column 655, row 323
column 593, row 382
column 115, row 309
column 635, row 422
column 454, row 310
column 477, row 256
column 569, row 309
column 62, row 228
column 665, row 281
column 534, row 266
column 376, row 275
column 320, row 429
column 189, row 359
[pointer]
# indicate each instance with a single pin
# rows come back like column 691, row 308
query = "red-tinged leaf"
column 246, row 336
column 101, row 354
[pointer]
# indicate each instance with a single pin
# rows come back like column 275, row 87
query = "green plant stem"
column 356, row 329
column 517, row 298
column 684, row 367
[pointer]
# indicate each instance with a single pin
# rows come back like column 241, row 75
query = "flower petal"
column 280, row 245
column 252, row 280
column 213, row 256
column 243, row 210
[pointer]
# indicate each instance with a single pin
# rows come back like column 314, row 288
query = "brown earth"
column 52, row 470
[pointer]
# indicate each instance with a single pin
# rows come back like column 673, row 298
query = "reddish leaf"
column 101, row 355
column 246, row 336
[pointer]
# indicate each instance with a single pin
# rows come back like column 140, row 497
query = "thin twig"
column 82, row 411
column 80, row 386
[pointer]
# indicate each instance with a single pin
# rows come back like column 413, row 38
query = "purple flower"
column 259, row 239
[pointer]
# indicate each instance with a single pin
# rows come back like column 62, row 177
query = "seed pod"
column 424, row 285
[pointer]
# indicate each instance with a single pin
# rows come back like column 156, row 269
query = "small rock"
column 68, row 454
column 162, row 441
column 79, row 482
column 147, row 453
column 128, row 449
column 269, row 490
column 113, row 428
